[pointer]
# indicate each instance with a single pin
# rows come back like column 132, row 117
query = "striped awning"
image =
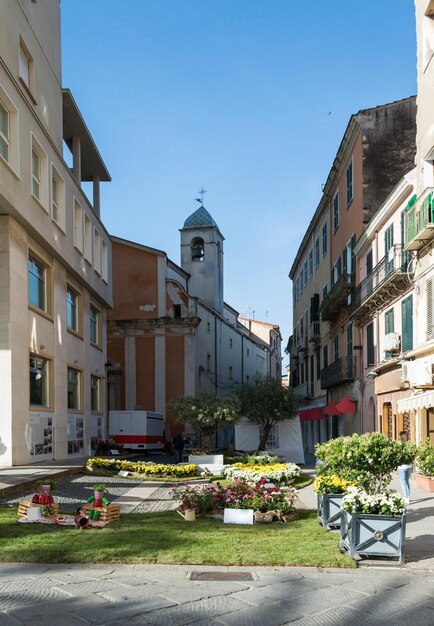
column 417, row 401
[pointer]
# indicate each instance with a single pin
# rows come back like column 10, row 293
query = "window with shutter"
column 407, row 324
column 344, row 257
column 389, row 322
column 370, row 354
column 429, row 309
column 388, row 243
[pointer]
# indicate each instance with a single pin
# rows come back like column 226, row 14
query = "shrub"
column 425, row 458
column 366, row 460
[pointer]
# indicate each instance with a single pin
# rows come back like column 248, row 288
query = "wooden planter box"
column 329, row 509
column 373, row 535
column 107, row 513
column 424, row 482
column 25, row 504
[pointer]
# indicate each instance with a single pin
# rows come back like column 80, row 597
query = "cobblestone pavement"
column 160, row 500
column 74, row 490
column 67, row 595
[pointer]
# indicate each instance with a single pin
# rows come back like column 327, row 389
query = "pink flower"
column 228, row 499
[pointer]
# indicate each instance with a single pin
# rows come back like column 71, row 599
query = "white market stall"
column 285, row 439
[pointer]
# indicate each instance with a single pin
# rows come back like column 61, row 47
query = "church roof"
column 201, row 217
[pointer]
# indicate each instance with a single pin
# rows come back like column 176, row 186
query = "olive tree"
column 266, row 402
column 206, row 412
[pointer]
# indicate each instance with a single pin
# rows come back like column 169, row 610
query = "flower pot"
column 425, row 482
column 189, row 515
column 373, row 535
column 98, row 498
column 238, row 516
column 329, row 509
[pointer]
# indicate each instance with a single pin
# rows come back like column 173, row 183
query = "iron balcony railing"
column 341, row 371
column 374, row 293
column 336, row 299
column 419, row 221
column 314, row 331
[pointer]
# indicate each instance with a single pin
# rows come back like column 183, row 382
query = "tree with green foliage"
column 266, row 402
column 206, row 412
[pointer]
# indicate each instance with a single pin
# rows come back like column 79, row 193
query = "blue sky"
column 247, row 98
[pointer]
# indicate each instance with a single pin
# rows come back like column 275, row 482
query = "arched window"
column 197, row 249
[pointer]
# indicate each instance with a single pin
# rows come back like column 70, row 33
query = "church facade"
column 170, row 332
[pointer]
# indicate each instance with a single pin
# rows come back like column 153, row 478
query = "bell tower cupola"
column 202, row 257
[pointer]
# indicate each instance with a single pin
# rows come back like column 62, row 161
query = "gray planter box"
column 329, row 509
column 373, row 535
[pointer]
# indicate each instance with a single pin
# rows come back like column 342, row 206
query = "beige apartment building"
column 417, row 361
column 270, row 333
column 376, row 150
column 55, row 254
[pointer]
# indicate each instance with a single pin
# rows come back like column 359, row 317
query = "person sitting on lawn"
column 82, row 520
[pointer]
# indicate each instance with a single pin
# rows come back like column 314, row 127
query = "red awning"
column 315, row 413
column 346, row 405
column 332, row 408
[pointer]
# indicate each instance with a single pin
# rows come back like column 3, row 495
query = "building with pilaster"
column 55, row 254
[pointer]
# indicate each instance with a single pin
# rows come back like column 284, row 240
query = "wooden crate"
column 25, row 504
column 107, row 513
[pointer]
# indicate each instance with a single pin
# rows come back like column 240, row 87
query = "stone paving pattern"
column 159, row 595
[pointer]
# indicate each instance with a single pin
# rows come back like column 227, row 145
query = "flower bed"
column 240, row 495
column 147, row 468
column 276, row 472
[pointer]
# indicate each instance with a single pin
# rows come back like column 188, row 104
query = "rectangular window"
column 104, row 261
column 231, row 342
column 87, row 239
column 301, row 281
column 36, row 174
column 324, row 239
column 325, row 356
column 4, row 132
column 310, row 264
column 97, row 251
column 71, row 309
column 388, row 252
column 389, row 322
column 177, row 311
column 73, row 389
column 407, row 324
column 316, row 252
column 95, row 401
column 305, row 273
column 349, row 183
column 94, row 325
column 39, row 382
column 318, row 363
column 336, row 211
column 54, row 199
column 336, row 348
column 325, row 290
column 369, row 263
column 24, row 65
column 248, row 352
column 78, row 226
column 37, row 286
column 370, row 351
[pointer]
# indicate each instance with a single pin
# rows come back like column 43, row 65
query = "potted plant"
column 368, row 461
column 330, row 490
column 192, row 499
column 373, row 525
column 424, row 474
column 98, row 492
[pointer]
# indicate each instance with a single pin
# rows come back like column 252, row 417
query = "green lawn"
column 166, row 538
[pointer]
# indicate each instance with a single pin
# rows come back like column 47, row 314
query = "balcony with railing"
column 303, row 345
column 337, row 298
column 341, row 371
column 389, row 279
column 419, row 221
column 314, row 333
column 302, row 390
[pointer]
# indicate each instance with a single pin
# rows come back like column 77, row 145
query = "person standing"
column 404, row 472
column 179, row 443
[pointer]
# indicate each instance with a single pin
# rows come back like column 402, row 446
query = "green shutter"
column 407, row 324
column 389, row 322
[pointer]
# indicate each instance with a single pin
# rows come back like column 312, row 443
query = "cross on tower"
column 201, row 192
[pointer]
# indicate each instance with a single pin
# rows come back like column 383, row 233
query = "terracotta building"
column 170, row 332
column 376, row 151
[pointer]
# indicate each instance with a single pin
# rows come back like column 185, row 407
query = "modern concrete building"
column 55, row 254
column 376, row 151
column 170, row 332
column 417, row 364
